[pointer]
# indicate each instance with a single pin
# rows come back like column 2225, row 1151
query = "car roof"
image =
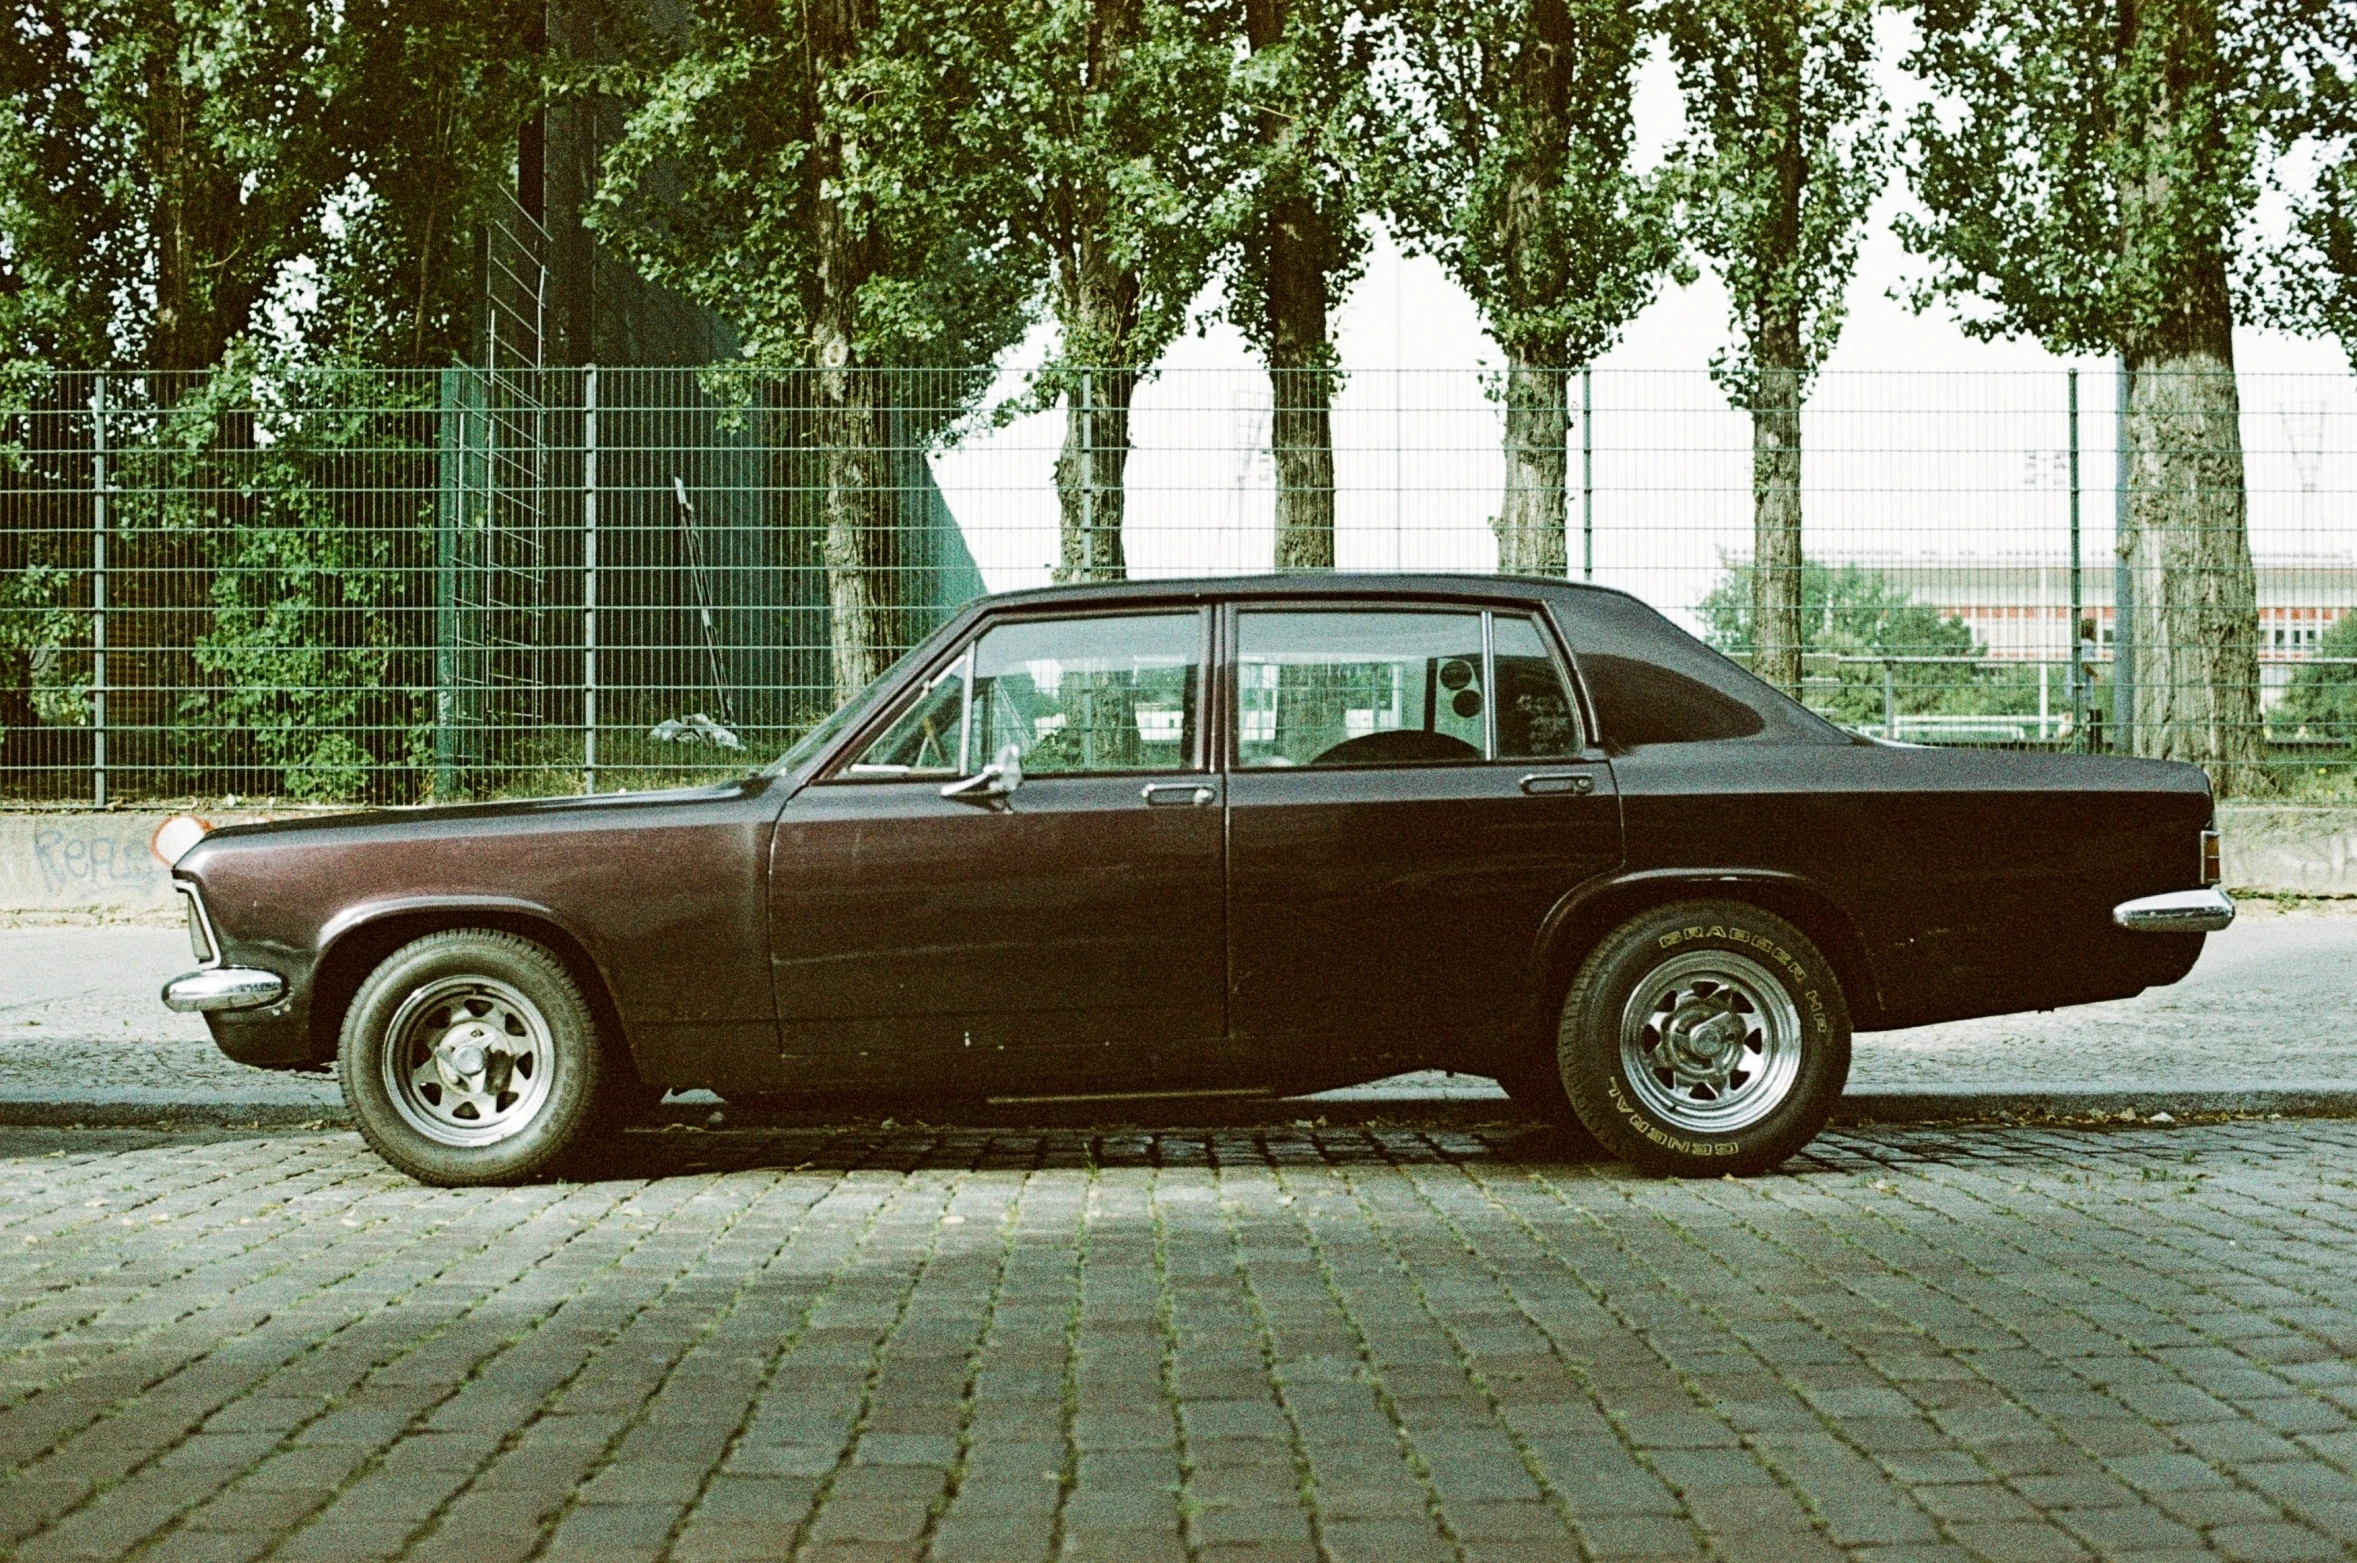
column 1322, row 583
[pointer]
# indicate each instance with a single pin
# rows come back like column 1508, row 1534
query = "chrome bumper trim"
column 2180, row 911
column 223, row 987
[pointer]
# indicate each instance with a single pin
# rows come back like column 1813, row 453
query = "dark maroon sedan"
column 1270, row 835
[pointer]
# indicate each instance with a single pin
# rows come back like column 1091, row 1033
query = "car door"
column 1409, row 796
column 1063, row 937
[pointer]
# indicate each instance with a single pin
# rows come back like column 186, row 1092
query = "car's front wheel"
column 472, row 1056
column 1705, row 1037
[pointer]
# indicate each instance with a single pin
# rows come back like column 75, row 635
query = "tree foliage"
column 2077, row 165
column 717, row 187
column 1851, row 610
column 2316, row 272
column 1508, row 159
column 1782, row 158
column 2321, row 703
column 177, row 176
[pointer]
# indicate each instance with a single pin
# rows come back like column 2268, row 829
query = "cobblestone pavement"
column 1286, row 1342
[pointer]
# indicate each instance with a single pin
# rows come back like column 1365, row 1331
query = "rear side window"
column 1534, row 709
column 1402, row 686
column 1640, row 703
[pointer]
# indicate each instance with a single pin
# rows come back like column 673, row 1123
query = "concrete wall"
column 2289, row 850
column 99, row 864
column 91, row 864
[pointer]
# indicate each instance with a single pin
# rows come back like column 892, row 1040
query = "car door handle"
column 1579, row 782
column 1176, row 795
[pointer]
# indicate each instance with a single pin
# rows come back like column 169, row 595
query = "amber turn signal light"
column 2210, row 870
column 175, row 836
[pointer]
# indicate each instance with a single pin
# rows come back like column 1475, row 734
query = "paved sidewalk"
column 1390, row 1345
column 80, row 1025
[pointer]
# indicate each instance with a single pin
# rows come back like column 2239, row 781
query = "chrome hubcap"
column 468, row 1061
column 1711, row 1042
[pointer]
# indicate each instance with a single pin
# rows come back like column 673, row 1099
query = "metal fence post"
column 1587, row 477
column 451, row 444
column 2075, row 688
column 2123, row 586
column 589, row 580
column 1890, row 702
column 98, row 530
column 1088, row 482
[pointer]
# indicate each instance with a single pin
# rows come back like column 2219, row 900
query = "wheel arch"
column 1581, row 920
column 358, row 942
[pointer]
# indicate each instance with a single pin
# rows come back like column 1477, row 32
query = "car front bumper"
column 2179, row 911
column 223, row 987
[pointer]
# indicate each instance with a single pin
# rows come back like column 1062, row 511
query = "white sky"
column 1919, row 441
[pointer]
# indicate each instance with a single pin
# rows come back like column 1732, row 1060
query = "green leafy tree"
column 2317, row 271
column 2087, row 174
column 1782, row 158
column 162, row 166
column 1301, row 243
column 1507, row 158
column 765, row 169
column 1850, row 610
column 2322, row 700
column 1106, row 124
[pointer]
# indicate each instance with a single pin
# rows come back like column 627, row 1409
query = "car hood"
column 459, row 818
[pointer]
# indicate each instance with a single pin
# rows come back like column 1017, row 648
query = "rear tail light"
column 2210, row 869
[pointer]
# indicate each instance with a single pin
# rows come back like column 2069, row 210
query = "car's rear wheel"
column 1705, row 1037
column 472, row 1056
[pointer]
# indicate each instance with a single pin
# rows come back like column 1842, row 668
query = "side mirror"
column 994, row 783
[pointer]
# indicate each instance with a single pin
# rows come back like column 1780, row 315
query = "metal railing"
column 393, row 586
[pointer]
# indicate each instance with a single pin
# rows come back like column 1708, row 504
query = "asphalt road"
column 2269, row 1005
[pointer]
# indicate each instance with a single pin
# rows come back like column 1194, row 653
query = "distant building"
column 2019, row 608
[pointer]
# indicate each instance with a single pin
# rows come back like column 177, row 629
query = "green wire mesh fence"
column 399, row 586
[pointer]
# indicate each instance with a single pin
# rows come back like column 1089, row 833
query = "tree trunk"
column 1301, row 387
column 1775, row 524
column 859, row 521
column 1089, row 472
column 1538, row 424
column 1295, row 250
column 2195, row 614
column 1097, row 298
column 2196, row 606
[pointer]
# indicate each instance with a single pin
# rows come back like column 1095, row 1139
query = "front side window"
column 1359, row 688
column 1074, row 696
column 929, row 738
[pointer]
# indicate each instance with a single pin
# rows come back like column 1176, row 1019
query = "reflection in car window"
column 1359, row 688
column 1095, row 694
column 929, row 739
column 1534, row 709
column 1112, row 693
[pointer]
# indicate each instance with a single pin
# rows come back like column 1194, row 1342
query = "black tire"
column 1745, row 1024
column 546, row 1087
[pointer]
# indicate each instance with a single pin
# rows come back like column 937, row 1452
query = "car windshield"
column 824, row 733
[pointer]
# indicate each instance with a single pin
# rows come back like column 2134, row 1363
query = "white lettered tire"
column 1705, row 1038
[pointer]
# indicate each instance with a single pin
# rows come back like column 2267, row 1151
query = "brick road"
column 1289, row 1342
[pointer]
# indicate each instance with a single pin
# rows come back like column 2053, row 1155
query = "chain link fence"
column 398, row 586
